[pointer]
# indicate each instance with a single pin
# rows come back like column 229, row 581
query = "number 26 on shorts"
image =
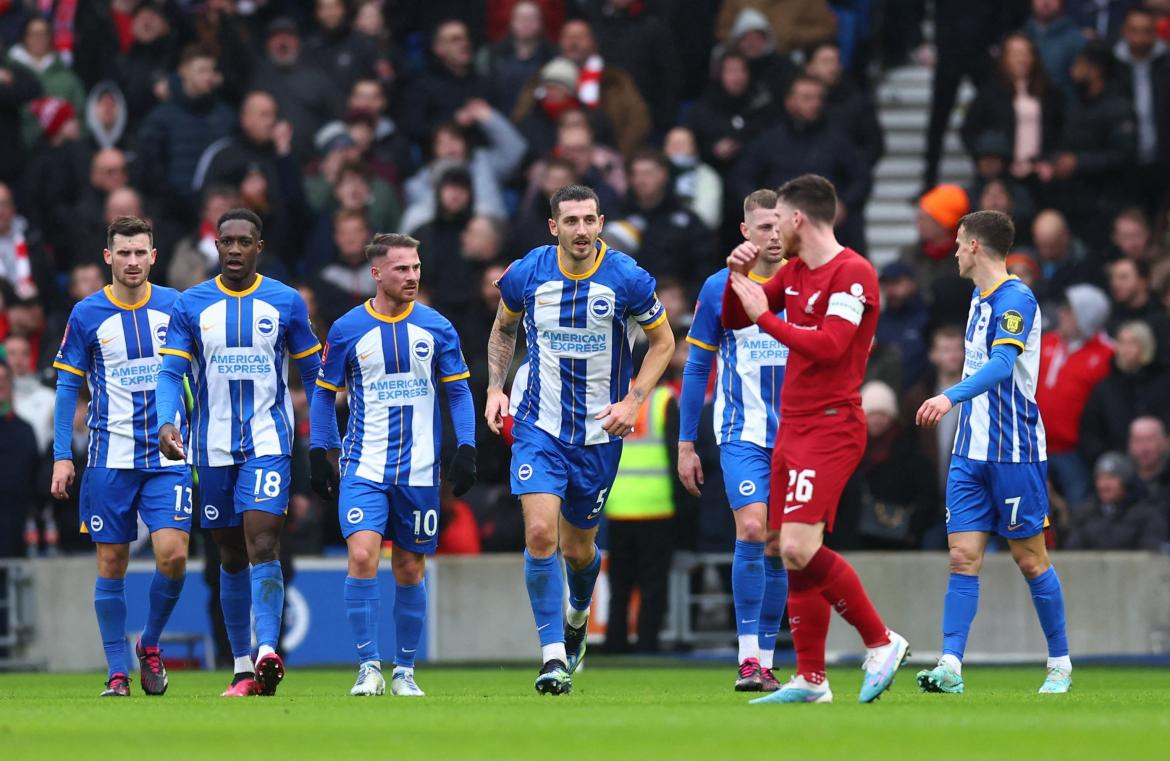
column 800, row 485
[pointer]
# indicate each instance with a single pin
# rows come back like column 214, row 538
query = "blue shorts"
column 1008, row 498
column 227, row 492
column 112, row 499
column 747, row 470
column 407, row 515
column 580, row 475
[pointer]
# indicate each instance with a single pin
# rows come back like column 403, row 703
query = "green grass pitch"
column 670, row 710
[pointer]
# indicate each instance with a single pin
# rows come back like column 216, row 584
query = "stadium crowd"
column 455, row 122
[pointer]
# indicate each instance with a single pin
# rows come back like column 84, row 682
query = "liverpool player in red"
column 830, row 296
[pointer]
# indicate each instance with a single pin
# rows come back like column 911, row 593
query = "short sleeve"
column 301, row 340
column 705, row 329
column 180, row 337
column 452, row 366
column 73, row 356
column 332, row 374
column 854, row 290
column 511, row 285
column 643, row 302
column 1014, row 313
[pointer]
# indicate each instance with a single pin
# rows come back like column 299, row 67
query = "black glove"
column 323, row 477
column 461, row 474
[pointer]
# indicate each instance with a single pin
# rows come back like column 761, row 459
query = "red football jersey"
column 844, row 288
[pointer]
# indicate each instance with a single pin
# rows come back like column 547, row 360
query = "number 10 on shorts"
column 800, row 485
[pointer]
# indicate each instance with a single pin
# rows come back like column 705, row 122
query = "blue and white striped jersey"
column 115, row 347
column 575, row 327
column 1003, row 424
column 239, row 344
column 391, row 368
column 749, row 369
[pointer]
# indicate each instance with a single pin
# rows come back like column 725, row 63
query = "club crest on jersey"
column 422, row 350
column 524, row 472
column 600, row 307
column 355, row 515
column 210, row 512
column 96, row 523
column 1012, row 322
column 265, row 326
column 812, row 300
column 747, row 488
column 160, row 332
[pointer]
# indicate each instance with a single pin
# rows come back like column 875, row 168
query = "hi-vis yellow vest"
column 643, row 487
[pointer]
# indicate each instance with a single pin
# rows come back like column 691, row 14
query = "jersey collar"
column 109, row 291
column 601, row 249
column 255, row 284
column 379, row 316
column 994, row 288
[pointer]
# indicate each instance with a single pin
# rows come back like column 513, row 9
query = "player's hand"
column 497, row 409
column 618, row 419
column 282, row 136
column 690, row 469
column 63, row 475
column 462, row 470
column 323, row 473
column 743, row 257
column 751, row 295
column 170, row 442
column 932, row 411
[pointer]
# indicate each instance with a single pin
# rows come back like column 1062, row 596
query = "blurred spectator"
column 336, row 49
column 1026, row 269
column 1100, row 19
column 1129, row 290
column 1063, row 259
column 31, row 399
column 1149, row 447
column 555, row 94
column 59, row 165
column 106, row 117
column 846, row 105
column 20, row 250
column 1135, row 387
column 793, row 24
column 89, row 235
column 447, row 84
column 946, row 357
column 1143, row 75
column 1074, row 358
column 36, row 54
column 1057, row 39
column 593, row 164
column 1116, row 517
column 531, row 227
column 18, row 461
column 752, row 38
column 733, row 110
column 175, row 134
column 1132, row 238
column 805, row 142
column 632, row 38
column 1020, row 103
column 305, row 96
column 345, row 282
column 143, row 62
column 355, row 188
column 491, row 458
column 196, row 258
column 697, row 186
column 17, row 87
column 85, row 279
column 903, row 320
column 107, row 173
column 458, row 530
column 445, row 274
column 509, row 64
column 489, row 166
column 389, row 145
column 932, row 258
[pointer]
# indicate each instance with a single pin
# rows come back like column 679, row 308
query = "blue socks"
column 581, row 583
column 268, row 601
column 164, row 593
column 362, row 601
column 545, row 585
column 109, row 602
column 772, row 608
column 747, row 586
column 235, row 599
column 959, row 606
column 1048, row 599
column 410, row 610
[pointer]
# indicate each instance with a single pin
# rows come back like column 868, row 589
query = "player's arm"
column 71, row 358
column 453, row 374
column 324, row 438
column 501, row 349
column 619, row 418
column 997, row 370
column 168, row 394
column 824, row 343
column 704, row 338
column 734, row 314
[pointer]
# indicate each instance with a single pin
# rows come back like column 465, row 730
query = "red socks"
column 808, row 617
column 840, row 585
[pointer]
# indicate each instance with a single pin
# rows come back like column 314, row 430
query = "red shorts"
column 813, row 459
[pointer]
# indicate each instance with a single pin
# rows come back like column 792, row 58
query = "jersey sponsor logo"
column 762, row 348
column 355, row 515
column 399, row 388
column 135, row 374
column 96, row 523
column 524, row 472
column 812, row 300
column 266, row 326
column 1012, row 322
column 422, row 350
column 244, row 362
column 210, row 512
column 747, row 487
column 601, row 307
column 571, row 342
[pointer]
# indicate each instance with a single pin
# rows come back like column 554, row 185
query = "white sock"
column 576, row 617
column 403, row 670
column 954, row 663
column 749, row 646
column 375, row 664
column 766, row 658
column 1064, row 663
column 243, row 665
column 554, row 652
column 264, row 650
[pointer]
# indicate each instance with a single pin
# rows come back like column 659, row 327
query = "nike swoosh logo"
column 364, row 357
column 206, row 327
column 421, row 541
column 791, row 292
column 1015, row 527
column 409, row 651
column 266, row 499
column 183, row 518
column 788, row 510
column 109, row 340
column 542, row 628
column 746, row 621
column 540, row 303
column 363, row 644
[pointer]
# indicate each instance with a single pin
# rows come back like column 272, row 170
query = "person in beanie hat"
column 56, row 118
column 1118, row 516
column 932, row 257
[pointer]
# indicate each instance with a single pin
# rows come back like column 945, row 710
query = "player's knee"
column 363, row 561
column 112, row 563
column 1032, row 565
column 172, row 564
column 577, row 554
column 408, row 568
column 795, row 554
column 751, row 529
column 965, row 560
column 540, row 539
column 264, row 547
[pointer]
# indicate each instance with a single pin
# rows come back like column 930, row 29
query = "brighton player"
column 998, row 473
column 234, row 334
column 390, row 355
column 750, row 371
column 830, row 297
column 112, row 341
column 576, row 299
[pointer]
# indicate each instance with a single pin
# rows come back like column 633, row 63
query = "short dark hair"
column 813, row 195
column 946, row 331
column 572, row 193
column 764, row 198
column 246, row 215
column 1140, row 266
column 651, row 154
column 993, row 229
column 127, row 226
column 381, row 244
column 1098, row 55
column 803, row 79
column 193, row 51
